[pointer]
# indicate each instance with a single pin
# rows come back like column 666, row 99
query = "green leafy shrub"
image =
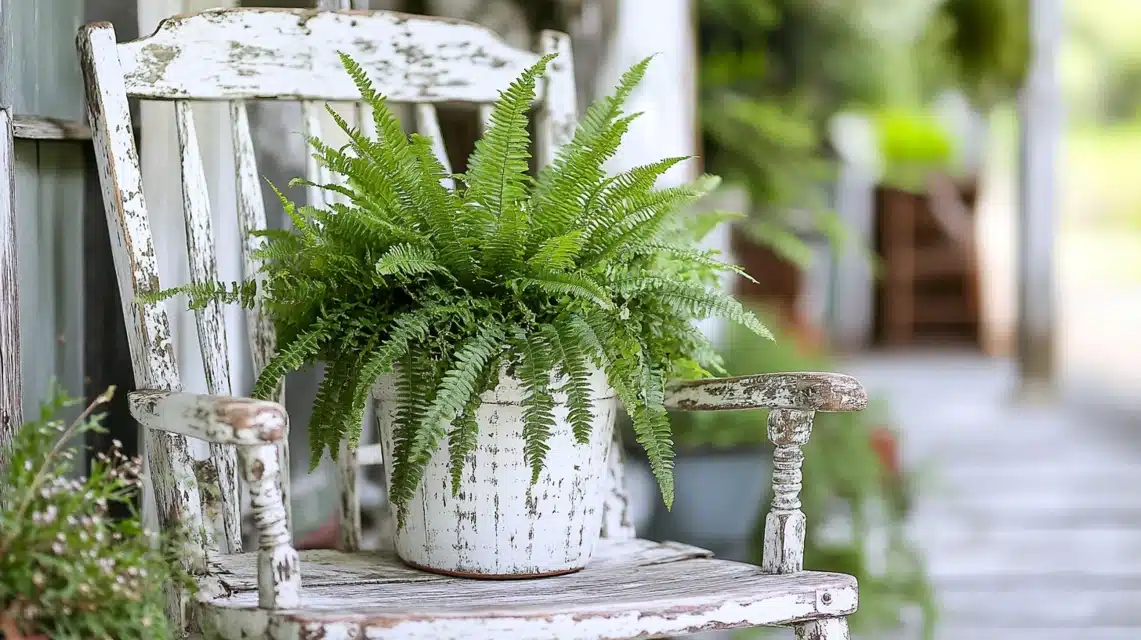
column 912, row 144
column 567, row 270
column 67, row 569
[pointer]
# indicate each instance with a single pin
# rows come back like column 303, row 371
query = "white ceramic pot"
column 500, row 525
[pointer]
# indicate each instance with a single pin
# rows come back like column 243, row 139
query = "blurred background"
column 941, row 199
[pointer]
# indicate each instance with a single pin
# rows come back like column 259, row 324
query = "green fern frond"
column 535, row 366
column 202, row 294
column 621, row 357
column 497, row 169
column 689, row 256
column 692, row 300
column 569, row 348
column 407, row 260
column 451, row 397
column 569, row 284
column 290, row 357
column 557, row 253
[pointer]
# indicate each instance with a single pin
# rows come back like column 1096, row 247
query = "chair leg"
column 826, row 629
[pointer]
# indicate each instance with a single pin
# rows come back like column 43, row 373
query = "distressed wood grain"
column 210, row 55
column 557, row 117
column 148, row 330
column 221, row 506
column 11, row 414
column 252, row 217
column 279, row 570
column 824, row 629
column 680, row 589
column 223, row 420
column 829, row 392
column 785, row 523
column 44, row 128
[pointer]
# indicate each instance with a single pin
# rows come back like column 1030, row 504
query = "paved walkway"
column 1030, row 516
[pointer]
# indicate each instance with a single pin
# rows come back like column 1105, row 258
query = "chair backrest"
column 237, row 55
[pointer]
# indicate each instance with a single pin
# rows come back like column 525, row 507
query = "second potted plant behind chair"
column 500, row 323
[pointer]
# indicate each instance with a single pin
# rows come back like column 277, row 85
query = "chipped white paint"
column 784, row 526
column 10, row 396
column 251, row 217
column 680, row 589
column 558, row 116
column 816, row 391
column 617, row 521
column 279, row 570
column 223, row 507
column 217, row 419
column 292, row 54
column 314, row 171
column 148, row 331
column 350, row 506
column 499, row 523
column 826, row 629
column 370, row 454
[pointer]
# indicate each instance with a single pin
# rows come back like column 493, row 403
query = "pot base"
column 492, row 576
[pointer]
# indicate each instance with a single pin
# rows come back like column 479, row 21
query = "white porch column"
column 1040, row 107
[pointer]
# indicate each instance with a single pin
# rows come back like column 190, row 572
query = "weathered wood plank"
column 209, row 55
column 11, row 414
column 252, row 217
column 558, row 113
column 224, row 506
column 279, row 570
column 44, row 128
column 218, row 419
column 808, row 391
column 680, row 590
column 152, row 354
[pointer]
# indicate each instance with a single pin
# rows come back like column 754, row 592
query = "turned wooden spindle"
column 784, row 526
column 279, row 570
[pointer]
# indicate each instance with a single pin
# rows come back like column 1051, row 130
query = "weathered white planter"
column 500, row 525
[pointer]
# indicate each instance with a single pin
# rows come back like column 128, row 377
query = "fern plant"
column 557, row 273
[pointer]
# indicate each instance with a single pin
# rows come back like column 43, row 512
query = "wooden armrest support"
column 829, row 392
column 217, row 419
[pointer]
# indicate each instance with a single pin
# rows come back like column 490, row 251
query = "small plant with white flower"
column 68, row 569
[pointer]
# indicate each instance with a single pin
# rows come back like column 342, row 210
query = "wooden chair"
column 632, row 588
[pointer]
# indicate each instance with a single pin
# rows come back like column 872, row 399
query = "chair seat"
column 630, row 589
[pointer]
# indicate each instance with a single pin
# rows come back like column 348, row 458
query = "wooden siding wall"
column 39, row 76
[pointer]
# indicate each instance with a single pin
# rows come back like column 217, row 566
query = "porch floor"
column 1029, row 515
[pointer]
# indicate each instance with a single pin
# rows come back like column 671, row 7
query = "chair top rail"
column 292, row 54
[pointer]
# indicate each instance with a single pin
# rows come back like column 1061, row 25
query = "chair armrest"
column 217, row 419
column 829, row 392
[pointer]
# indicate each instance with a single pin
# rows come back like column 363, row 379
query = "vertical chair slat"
column 314, row 171
column 148, row 330
column 428, row 125
column 558, row 110
column 225, row 510
column 251, row 217
column 485, row 111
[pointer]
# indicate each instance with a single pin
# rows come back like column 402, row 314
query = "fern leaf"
column 451, row 397
column 557, row 253
column 570, row 352
column 563, row 186
column 202, row 294
column 289, row 357
column 407, row 261
column 534, row 371
column 569, row 284
column 620, row 354
column 692, row 300
column 497, row 169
